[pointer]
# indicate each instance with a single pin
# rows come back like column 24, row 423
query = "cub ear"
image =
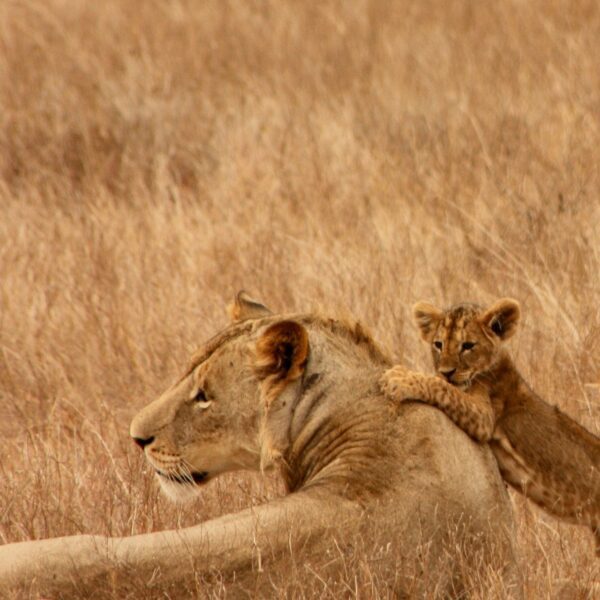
column 427, row 317
column 243, row 308
column 501, row 319
column 282, row 352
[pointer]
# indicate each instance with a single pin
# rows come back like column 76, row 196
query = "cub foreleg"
column 473, row 413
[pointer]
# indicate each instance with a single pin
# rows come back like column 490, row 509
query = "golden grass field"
column 155, row 157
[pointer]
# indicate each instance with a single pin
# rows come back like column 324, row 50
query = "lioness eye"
column 468, row 345
column 200, row 396
column 438, row 344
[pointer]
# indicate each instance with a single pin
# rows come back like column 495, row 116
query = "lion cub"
column 541, row 452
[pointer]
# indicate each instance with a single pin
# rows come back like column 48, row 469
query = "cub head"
column 465, row 339
column 215, row 418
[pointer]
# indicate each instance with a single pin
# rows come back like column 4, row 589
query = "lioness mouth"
column 177, row 478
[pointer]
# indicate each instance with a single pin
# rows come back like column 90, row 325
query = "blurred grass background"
column 351, row 156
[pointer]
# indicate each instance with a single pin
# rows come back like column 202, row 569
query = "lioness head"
column 465, row 339
column 212, row 419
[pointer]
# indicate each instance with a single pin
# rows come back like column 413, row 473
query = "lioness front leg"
column 228, row 543
column 473, row 413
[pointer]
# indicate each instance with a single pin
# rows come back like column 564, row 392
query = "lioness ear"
column 427, row 317
column 243, row 308
column 282, row 352
column 502, row 318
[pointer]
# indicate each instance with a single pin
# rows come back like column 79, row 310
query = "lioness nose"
column 447, row 373
column 142, row 443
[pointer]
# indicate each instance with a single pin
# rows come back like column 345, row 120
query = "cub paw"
column 400, row 383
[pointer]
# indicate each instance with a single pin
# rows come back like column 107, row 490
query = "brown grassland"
column 354, row 156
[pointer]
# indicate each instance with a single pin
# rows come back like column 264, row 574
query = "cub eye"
column 467, row 345
column 200, row 397
column 438, row 344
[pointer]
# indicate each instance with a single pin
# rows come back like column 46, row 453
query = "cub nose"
column 447, row 373
column 142, row 443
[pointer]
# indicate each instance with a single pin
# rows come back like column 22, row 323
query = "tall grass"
column 354, row 156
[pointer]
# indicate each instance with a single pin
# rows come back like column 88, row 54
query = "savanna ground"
column 354, row 156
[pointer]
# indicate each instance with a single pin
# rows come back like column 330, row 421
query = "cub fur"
column 541, row 452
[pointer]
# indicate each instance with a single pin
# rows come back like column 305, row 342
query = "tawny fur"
column 299, row 393
column 541, row 452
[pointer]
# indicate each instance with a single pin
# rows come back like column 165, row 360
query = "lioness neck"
column 328, row 446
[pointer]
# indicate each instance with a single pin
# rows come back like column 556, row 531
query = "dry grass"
column 157, row 156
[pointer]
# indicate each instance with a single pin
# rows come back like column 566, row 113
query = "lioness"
column 301, row 393
column 541, row 452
